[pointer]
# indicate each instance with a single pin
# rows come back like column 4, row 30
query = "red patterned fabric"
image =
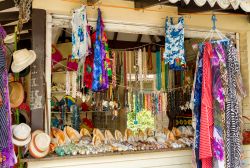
column 206, row 127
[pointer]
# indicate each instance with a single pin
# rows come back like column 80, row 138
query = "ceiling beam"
column 146, row 3
column 10, row 28
column 115, row 36
column 6, row 4
column 152, row 38
column 139, row 37
column 9, row 16
column 124, row 44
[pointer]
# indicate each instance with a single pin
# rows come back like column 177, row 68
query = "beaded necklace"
column 158, row 70
column 145, row 68
column 113, row 69
column 67, row 83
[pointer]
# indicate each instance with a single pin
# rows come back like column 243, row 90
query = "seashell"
column 85, row 132
column 128, row 133
column 109, row 138
column 149, row 132
column 59, row 135
column 98, row 132
column 118, row 136
column 72, row 134
column 151, row 140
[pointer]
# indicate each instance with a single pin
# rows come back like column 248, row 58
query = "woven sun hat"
column 16, row 94
column 39, row 146
column 22, row 59
column 21, row 134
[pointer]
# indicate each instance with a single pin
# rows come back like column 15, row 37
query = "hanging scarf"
column 218, row 110
column 163, row 73
column 100, row 76
column 196, row 101
column 206, row 128
column 158, row 70
column 88, row 71
column 80, row 37
column 6, row 146
column 235, row 93
column 140, row 68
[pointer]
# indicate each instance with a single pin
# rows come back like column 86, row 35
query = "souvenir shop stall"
column 98, row 90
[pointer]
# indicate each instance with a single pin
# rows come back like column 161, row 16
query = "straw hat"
column 21, row 134
column 16, row 94
column 22, row 59
column 39, row 146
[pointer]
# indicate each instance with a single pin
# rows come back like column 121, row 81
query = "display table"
column 180, row 158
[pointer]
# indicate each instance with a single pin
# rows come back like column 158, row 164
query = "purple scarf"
column 6, row 146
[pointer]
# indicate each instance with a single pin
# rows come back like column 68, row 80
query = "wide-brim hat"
column 21, row 134
column 39, row 146
column 22, row 59
column 16, row 94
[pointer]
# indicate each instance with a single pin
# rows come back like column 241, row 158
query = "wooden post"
column 37, row 95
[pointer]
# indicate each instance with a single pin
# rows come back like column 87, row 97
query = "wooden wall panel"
column 38, row 69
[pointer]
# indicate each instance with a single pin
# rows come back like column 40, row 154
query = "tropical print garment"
column 174, row 44
column 218, row 109
column 80, row 36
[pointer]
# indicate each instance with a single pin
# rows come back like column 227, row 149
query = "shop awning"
column 243, row 5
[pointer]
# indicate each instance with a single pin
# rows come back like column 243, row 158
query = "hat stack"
column 22, row 59
column 39, row 146
column 16, row 94
column 21, row 134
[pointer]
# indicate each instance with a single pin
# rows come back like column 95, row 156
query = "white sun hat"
column 39, row 146
column 22, row 59
column 21, row 134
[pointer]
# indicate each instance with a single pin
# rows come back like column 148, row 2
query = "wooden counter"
column 180, row 158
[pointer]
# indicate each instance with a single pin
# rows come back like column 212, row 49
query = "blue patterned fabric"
column 197, row 105
column 174, row 44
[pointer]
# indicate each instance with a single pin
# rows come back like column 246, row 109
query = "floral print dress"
column 174, row 44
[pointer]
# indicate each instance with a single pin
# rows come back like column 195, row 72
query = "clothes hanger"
column 214, row 31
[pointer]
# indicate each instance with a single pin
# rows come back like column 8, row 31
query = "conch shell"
column 141, row 135
column 118, row 136
column 72, row 134
column 98, row 132
column 84, row 132
column 59, row 135
column 128, row 133
column 96, row 140
column 109, row 138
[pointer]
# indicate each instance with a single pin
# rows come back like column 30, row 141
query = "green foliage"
column 145, row 120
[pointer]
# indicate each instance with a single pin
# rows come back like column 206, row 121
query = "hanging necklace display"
column 75, row 119
column 137, row 91
column 158, row 70
column 139, row 63
column 145, row 68
column 130, row 67
column 67, row 83
column 73, row 82
column 113, row 69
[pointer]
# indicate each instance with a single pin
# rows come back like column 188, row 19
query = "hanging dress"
column 80, row 37
column 174, row 44
column 6, row 146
